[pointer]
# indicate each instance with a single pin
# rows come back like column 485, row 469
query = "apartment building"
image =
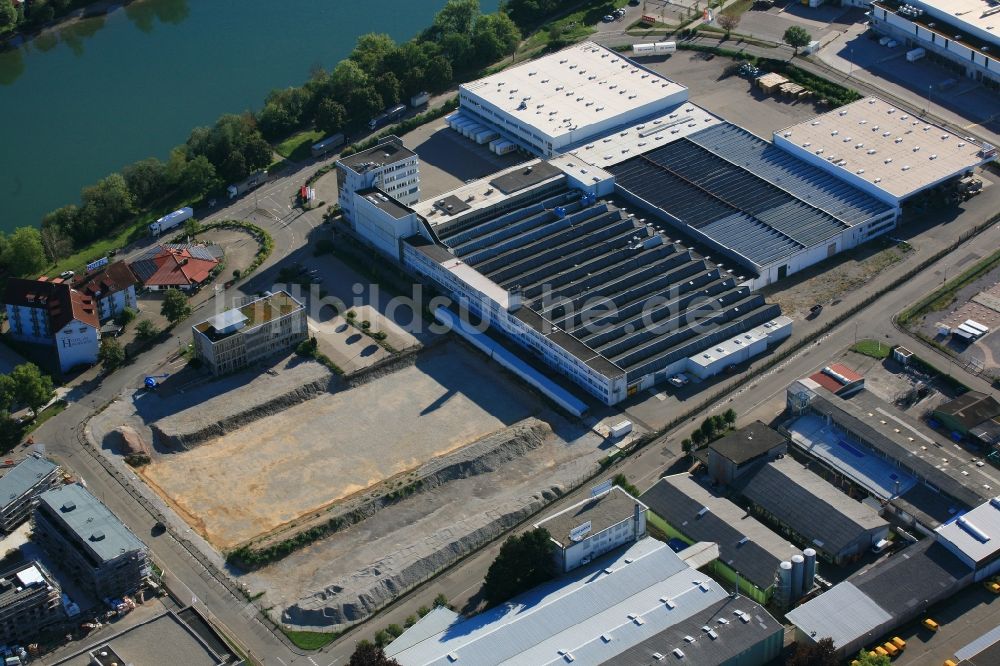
column 112, row 288
column 29, row 602
column 21, row 485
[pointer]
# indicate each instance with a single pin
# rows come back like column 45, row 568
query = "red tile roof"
column 110, row 280
column 177, row 268
column 62, row 303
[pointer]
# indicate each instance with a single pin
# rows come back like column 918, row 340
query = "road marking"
column 312, row 661
column 280, row 659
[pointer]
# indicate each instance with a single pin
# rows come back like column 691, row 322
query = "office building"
column 232, row 340
column 595, row 526
column 29, row 603
column 21, row 485
column 389, row 166
column 112, row 287
column 89, row 542
column 637, row 607
column 50, row 312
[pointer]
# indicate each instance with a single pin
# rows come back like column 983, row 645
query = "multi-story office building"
column 261, row 328
column 89, row 542
column 21, row 485
column 389, row 166
column 29, row 602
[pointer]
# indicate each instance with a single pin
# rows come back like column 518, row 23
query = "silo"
column 783, row 594
column 798, row 569
column 810, row 573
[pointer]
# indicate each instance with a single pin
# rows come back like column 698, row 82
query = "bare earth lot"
column 258, row 477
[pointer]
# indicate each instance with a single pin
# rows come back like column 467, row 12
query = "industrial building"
column 750, row 553
column 575, row 95
column 811, row 511
column 881, row 597
column 89, row 542
column 632, row 608
column 50, row 312
column 883, row 150
column 234, row 339
column 739, row 451
column 21, row 485
column 962, row 33
column 974, row 538
column 838, row 379
column 112, row 287
column 594, row 526
column 388, row 166
column 972, row 414
column 30, row 602
column 891, row 456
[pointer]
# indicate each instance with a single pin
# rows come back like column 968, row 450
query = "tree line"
column 377, row 74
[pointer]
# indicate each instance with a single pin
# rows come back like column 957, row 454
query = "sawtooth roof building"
column 633, row 608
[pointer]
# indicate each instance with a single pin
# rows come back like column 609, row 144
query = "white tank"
column 809, row 579
column 798, row 569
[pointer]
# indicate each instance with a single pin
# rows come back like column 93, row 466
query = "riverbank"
column 27, row 30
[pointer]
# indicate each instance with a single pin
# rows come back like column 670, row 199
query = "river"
column 93, row 95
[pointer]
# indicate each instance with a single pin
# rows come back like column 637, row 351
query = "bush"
column 137, row 459
column 126, row 317
column 146, row 330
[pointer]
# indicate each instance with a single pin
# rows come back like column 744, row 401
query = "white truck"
column 915, row 54
column 326, row 145
column 252, row 181
column 171, row 220
column 420, row 99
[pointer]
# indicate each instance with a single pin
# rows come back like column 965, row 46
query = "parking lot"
column 962, row 619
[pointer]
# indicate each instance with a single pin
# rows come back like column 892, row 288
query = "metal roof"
column 981, row 645
column 808, row 504
column 745, row 545
column 970, row 409
column 23, row 477
column 843, row 613
column 433, row 623
column 588, row 617
column 95, row 527
column 975, row 533
column 748, row 442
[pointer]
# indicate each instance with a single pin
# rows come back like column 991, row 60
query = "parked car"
column 680, row 379
column 608, row 18
column 65, row 275
column 633, row 3
column 930, row 624
column 992, row 586
column 881, row 546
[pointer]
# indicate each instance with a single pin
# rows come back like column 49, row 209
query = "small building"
column 50, row 312
column 89, row 542
column 967, row 412
column 273, row 324
column 389, row 166
column 176, row 266
column 901, row 355
column 983, row 651
column 811, row 511
column 974, row 538
column 740, row 450
column 629, row 609
column 838, row 379
column 749, row 552
column 30, row 601
column 21, row 485
column 591, row 528
column 112, row 288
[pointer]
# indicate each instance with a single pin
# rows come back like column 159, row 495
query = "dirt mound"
column 130, row 442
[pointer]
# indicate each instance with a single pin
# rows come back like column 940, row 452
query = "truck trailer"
column 171, row 220
column 326, row 145
column 390, row 116
column 915, row 54
column 420, row 99
column 253, row 181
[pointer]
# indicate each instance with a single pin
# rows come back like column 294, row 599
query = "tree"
column 698, row 438
column 456, row 16
column 495, row 36
column 371, row 51
column 729, row 416
column 8, row 392
column 686, row 445
column 866, row 658
column 31, row 387
column 821, row 653
column 523, row 562
column 622, row 482
column 146, row 330
column 24, row 253
column 797, row 37
column 126, row 317
column 728, row 22
column 8, row 15
column 707, row 429
column 146, row 180
column 175, row 306
column 198, row 177
column 109, row 202
column 111, row 354
column 367, row 654
column 330, row 116
column 192, row 227
column 387, row 87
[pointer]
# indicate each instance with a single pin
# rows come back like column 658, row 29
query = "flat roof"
column 975, row 533
column 384, row 202
column 477, row 281
column 748, row 442
column 389, row 151
column 96, row 528
column 895, row 151
column 745, row 544
column 23, row 477
column 23, row 581
column 256, row 312
column 981, row 13
column 515, row 180
column 601, row 512
column 572, row 89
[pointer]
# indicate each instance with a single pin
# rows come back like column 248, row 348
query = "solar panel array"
column 610, row 281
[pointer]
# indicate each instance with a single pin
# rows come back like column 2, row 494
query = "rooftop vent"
column 68, row 506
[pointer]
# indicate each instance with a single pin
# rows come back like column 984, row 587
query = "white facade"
column 380, row 227
column 740, row 348
column 77, row 344
column 388, row 166
column 111, row 305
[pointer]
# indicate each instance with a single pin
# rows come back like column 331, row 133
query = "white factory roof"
column 477, row 281
column 983, row 14
column 589, row 617
column 975, row 533
column 676, row 123
column 843, row 613
column 896, row 151
column 573, row 88
column 733, row 346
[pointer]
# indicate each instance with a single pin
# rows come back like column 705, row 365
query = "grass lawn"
column 872, row 348
column 78, row 260
column 310, row 640
column 298, row 146
column 574, row 26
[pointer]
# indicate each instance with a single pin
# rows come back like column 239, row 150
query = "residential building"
column 29, row 602
column 881, row 597
column 273, row 324
column 89, row 542
column 749, row 552
column 811, row 511
column 112, row 288
column 21, row 485
column 176, row 266
column 961, row 34
column 388, row 166
column 50, row 312
column 972, row 414
column 730, row 456
column 595, row 526
column 631, row 608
